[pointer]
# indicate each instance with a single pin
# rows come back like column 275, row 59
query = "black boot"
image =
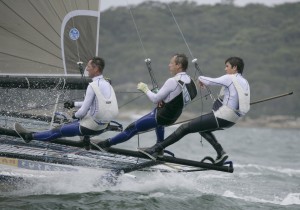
column 104, row 144
column 86, row 142
column 153, row 152
column 157, row 150
column 222, row 156
column 23, row 133
column 220, row 160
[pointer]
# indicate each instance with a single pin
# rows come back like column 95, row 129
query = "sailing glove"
column 73, row 116
column 69, row 104
column 142, row 87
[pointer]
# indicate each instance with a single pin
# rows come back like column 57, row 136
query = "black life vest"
column 168, row 113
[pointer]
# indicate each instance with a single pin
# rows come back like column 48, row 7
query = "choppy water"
column 266, row 176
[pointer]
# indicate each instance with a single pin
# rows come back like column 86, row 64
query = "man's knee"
column 130, row 127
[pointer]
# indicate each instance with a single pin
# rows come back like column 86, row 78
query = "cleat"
column 221, row 159
column 23, row 133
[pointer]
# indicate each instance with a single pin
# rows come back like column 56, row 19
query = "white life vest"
column 243, row 94
column 107, row 108
column 226, row 113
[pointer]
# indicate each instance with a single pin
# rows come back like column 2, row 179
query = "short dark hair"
column 183, row 60
column 99, row 62
column 236, row 61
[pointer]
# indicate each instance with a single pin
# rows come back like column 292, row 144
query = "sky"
column 105, row 4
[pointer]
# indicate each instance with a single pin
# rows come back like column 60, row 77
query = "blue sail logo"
column 74, row 34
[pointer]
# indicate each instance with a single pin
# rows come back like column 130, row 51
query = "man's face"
column 91, row 69
column 229, row 69
column 174, row 68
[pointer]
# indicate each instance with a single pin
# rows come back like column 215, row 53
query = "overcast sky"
column 105, row 4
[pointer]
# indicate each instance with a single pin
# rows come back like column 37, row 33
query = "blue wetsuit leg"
column 145, row 123
column 160, row 133
column 66, row 130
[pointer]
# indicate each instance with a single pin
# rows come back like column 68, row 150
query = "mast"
column 98, row 29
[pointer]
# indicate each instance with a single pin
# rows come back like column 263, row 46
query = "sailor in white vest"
column 96, row 111
column 232, row 104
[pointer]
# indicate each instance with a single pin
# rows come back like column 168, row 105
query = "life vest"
column 107, row 108
column 226, row 113
column 243, row 94
column 169, row 112
column 189, row 91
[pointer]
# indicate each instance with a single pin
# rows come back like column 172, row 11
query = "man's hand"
column 69, row 104
column 142, row 87
column 201, row 84
column 73, row 116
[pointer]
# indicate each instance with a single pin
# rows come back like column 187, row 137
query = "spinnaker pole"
column 271, row 98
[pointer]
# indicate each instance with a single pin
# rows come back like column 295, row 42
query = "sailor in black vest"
column 96, row 111
column 233, row 103
column 176, row 92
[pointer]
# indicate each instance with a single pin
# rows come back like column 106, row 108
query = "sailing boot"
column 104, row 144
column 221, row 158
column 153, row 152
column 156, row 150
column 86, row 142
column 23, row 133
column 222, row 155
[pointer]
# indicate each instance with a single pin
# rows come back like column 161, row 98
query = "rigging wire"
column 194, row 60
column 147, row 60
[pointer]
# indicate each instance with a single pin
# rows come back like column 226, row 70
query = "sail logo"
column 74, row 34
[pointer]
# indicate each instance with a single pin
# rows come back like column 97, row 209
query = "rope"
column 147, row 60
column 194, row 60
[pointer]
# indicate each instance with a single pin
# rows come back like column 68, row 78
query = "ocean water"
column 266, row 176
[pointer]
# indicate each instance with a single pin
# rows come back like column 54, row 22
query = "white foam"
column 290, row 199
column 148, row 182
column 287, row 171
column 249, row 198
